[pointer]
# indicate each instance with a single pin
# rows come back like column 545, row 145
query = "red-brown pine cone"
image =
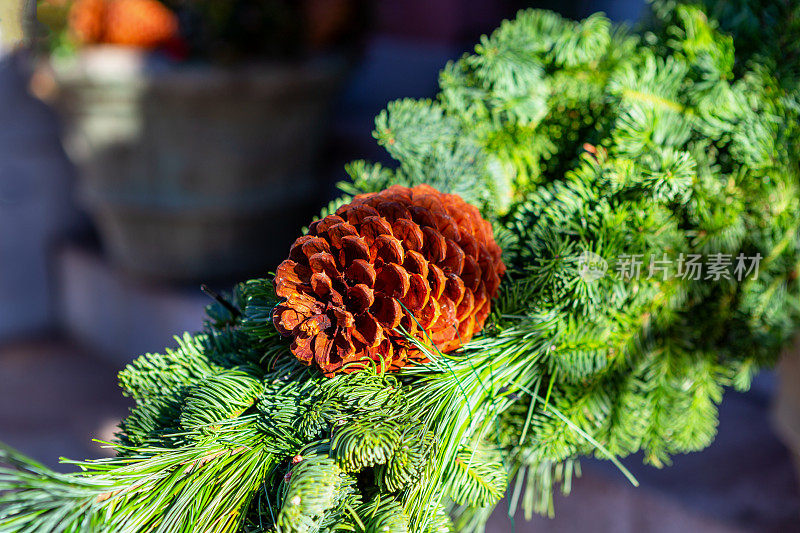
column 416, row 258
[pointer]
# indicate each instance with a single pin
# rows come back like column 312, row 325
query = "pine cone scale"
column 361, row 272
column 360, row 298
column 410, row 259
column 418, row 293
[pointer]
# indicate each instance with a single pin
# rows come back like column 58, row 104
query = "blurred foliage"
column 232, row 30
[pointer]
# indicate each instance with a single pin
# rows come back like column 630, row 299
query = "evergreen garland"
column 572, row 137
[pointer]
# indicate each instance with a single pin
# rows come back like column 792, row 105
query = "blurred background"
column 147, row 146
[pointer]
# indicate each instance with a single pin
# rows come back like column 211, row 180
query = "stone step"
column 118, row 316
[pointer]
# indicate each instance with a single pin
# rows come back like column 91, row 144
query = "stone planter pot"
column 194, row 173
column 786, row 409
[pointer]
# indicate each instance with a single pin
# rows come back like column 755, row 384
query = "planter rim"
column 109, row 66
column 178, row 202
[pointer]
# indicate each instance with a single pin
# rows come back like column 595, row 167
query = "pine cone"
column 139, row 23
column 411, row 258
column 86, row 20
